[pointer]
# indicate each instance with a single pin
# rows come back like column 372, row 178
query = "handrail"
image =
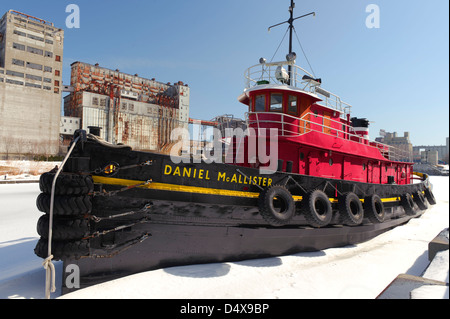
column 266, row 73
column 289, row 129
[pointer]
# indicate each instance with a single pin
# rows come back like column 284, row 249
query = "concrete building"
column 400, row 142
column 442, row 151
column 429, row 157
column 127, row 108
column 31, row 51
column 69, row 125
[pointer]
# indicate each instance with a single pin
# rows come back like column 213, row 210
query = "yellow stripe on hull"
column 199, row 190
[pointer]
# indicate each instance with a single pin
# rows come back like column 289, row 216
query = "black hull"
column 178, row 245
column 121, row 212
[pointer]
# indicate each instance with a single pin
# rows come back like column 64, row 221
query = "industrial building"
column 400, row 142
column 127, row 109
column 442, row 152
column 31, row 51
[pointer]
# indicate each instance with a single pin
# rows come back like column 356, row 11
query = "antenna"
column 291, row 27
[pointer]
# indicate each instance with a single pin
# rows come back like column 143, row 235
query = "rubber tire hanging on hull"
column 276, row 205
column 429, row 196
column 63, row 228
column 63, row 249
column 408, row 204
column 350, row 209
column 374, row 209
column 316, row 207
column 65, row 205
column 66, row 184
column 420, row 201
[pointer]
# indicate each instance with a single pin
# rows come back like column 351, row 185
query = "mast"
column 291, row 28
column 291, row 25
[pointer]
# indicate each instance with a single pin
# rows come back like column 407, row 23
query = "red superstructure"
column 316, row 135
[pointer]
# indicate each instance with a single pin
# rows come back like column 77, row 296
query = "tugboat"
column 114, row 211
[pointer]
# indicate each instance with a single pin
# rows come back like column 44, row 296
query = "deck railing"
column 291, row 126
column 269, row 74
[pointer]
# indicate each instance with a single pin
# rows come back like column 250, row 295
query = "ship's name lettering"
column 205, row 174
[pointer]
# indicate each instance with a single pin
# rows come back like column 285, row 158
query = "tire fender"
column 350, row 209
column 276, row 205
column 374, row 209
column 429, row 196
column 408, row 204
column 419, row 199
column 316, row 207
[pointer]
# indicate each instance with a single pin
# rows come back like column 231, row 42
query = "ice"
column 358, row 271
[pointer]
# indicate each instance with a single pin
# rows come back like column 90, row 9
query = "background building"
column 400, row 142
column 429, row 157
column 441, row 150
column 31, row 51
column 127, row 108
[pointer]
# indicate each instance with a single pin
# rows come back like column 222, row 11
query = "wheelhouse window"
column 292, row 106
column 260, row 103
column 276, row 102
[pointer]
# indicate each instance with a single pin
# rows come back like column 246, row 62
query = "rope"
column 49, row 276
column 48, row 265
column 280, row 44
column 296, row 35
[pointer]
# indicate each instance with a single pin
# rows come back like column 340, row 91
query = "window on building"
column 57, row 73
column 276, row 102
column 47, row 80
column 35, row 50
column 102, row 102
column 58, row 58
column 95, row 101
column 36, row 86
column 20, row 33
column 30, row 36
column 18, row 62
column 57, row 84
column 260, row 103
column 14, row 73
column 48, row 54
column 48, row 69
column 14, row 82
column 49, row 41
column 47, row 88
column 34, row 77
column 18, row 46
column 34, row 66
column 36, row 24
column 124, row 106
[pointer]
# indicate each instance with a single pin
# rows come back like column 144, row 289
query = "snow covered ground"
column 11, row 170
column 359, row 271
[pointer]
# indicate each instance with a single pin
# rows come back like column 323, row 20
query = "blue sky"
column 397, row 76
